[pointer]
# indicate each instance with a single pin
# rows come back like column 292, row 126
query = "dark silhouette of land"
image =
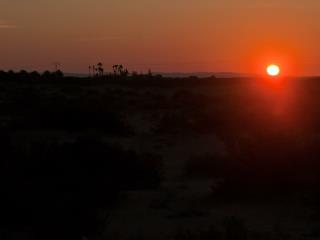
column 141, row 156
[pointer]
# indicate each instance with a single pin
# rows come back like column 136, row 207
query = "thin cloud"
column 99, row 38
column 7, row 25
column 131, row 36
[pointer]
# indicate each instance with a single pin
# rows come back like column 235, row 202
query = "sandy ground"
column 181, row 205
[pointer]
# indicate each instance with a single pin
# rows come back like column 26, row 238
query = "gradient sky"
column 175, row 35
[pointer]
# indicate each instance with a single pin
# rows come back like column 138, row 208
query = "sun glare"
column 273, row 70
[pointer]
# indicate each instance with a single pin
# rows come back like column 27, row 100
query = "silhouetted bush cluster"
column 72, row 120
column 24, row 76
column 32, row 111
column 267, row 165
column 64, row 191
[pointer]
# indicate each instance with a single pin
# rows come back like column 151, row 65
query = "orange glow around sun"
column 288, row 60
column 273, row 70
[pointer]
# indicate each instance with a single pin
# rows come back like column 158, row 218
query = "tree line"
column 95, row 71
column 34, row 75
column 98, row 70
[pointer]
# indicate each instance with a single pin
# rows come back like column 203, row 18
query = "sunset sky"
column 167, row 36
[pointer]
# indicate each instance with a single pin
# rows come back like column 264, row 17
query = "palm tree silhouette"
column 100, row 69
column 94, row 70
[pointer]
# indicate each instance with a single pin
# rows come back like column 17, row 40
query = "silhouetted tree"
column 2, row 74
column 135, row 75
column 59, row 74
column 119, row 70
column 100, row 69
column 94, row 70
column 90, row 68
column 46, row 74
column 115, row 69
column 23, row 75
column 11, row 72
column 35, row 74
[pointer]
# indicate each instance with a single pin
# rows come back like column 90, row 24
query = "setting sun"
column 273, row 70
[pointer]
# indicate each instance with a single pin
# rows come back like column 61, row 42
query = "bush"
column 71, row 116
column 206, row 166
column 66, row 191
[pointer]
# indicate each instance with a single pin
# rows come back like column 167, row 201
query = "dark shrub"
column 66, row 191
column 72, row 116
column 206, row 166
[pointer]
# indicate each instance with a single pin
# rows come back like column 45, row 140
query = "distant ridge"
column 206, row 74
column 183, row 74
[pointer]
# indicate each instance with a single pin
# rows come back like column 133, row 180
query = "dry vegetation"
column 230, row 159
